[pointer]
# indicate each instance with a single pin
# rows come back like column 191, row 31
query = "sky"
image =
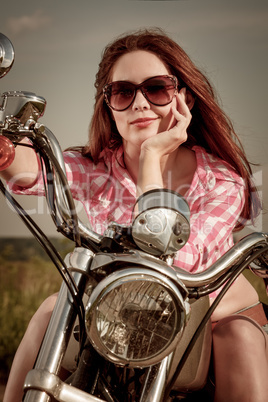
column 58, row 46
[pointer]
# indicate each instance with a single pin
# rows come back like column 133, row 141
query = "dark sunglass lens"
column 120, row 95
column 159, row 90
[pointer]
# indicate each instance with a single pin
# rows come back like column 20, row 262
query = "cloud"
column 28, row 23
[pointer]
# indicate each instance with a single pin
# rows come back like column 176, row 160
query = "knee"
column 40, row 319
column 238, row 329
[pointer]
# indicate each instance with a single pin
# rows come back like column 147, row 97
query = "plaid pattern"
column 107, row 192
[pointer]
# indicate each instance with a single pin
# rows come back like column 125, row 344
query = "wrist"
column 150, row 155
column 150, row 175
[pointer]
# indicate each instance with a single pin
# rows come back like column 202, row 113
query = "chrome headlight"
column 135, row 317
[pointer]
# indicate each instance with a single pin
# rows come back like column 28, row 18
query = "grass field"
column 27, row 277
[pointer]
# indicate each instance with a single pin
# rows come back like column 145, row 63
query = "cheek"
column 119, row 121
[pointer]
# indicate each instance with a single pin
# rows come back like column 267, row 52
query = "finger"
column 183, row 116
column 182, row 106
column 182, row 111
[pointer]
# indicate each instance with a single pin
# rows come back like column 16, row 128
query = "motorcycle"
column 127, row 326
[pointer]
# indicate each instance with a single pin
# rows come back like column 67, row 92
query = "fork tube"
column 57, row 336
column 156, row 381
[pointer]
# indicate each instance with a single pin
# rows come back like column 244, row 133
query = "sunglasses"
column 159, row 91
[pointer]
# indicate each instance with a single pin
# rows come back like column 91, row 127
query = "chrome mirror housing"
column 21, row 105
column 7, row 55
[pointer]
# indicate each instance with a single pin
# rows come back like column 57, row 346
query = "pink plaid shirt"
column 107, row 192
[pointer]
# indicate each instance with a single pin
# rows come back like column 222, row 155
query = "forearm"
column 150, row 174
column 24, row 169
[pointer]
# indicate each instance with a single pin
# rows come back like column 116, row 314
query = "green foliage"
column 27, row 277
column 23, row 249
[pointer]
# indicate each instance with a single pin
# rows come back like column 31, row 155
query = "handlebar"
column 241, row 251
column 84, row 231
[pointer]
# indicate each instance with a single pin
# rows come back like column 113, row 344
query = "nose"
column 140, row 102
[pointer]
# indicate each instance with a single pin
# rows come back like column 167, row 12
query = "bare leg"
column 241, row 360
column 27, row 350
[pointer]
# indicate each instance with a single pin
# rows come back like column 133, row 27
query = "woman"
column 157, row 124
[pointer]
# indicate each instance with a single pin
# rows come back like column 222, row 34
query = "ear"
column 190, row 100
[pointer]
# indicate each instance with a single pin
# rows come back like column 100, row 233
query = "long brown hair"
column 209, row 128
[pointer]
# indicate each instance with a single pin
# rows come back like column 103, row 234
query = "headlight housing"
column 135, row 317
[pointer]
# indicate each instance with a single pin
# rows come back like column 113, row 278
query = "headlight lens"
column 135, row 317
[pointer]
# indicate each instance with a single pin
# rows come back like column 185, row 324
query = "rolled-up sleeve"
column 79, row 172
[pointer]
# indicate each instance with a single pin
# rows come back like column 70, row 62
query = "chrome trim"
column 60, row 326
column 132, row 274
column 84, row 230
column 43, row 381
column 21, row 105
column 80, row 260
column 235, row 255
column 162, row 222
column 7, row 55
column 156, row 381
column 141, row 259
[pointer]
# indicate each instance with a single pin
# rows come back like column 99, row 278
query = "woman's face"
column 142, row 119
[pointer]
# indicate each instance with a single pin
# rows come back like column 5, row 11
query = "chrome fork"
column 57, row 336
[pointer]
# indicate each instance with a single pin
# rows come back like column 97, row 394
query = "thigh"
column 240, row 334
column 240, row 295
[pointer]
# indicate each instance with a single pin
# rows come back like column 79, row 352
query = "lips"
column 143, row 122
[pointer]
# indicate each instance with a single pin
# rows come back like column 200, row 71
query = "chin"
column 146, row 137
